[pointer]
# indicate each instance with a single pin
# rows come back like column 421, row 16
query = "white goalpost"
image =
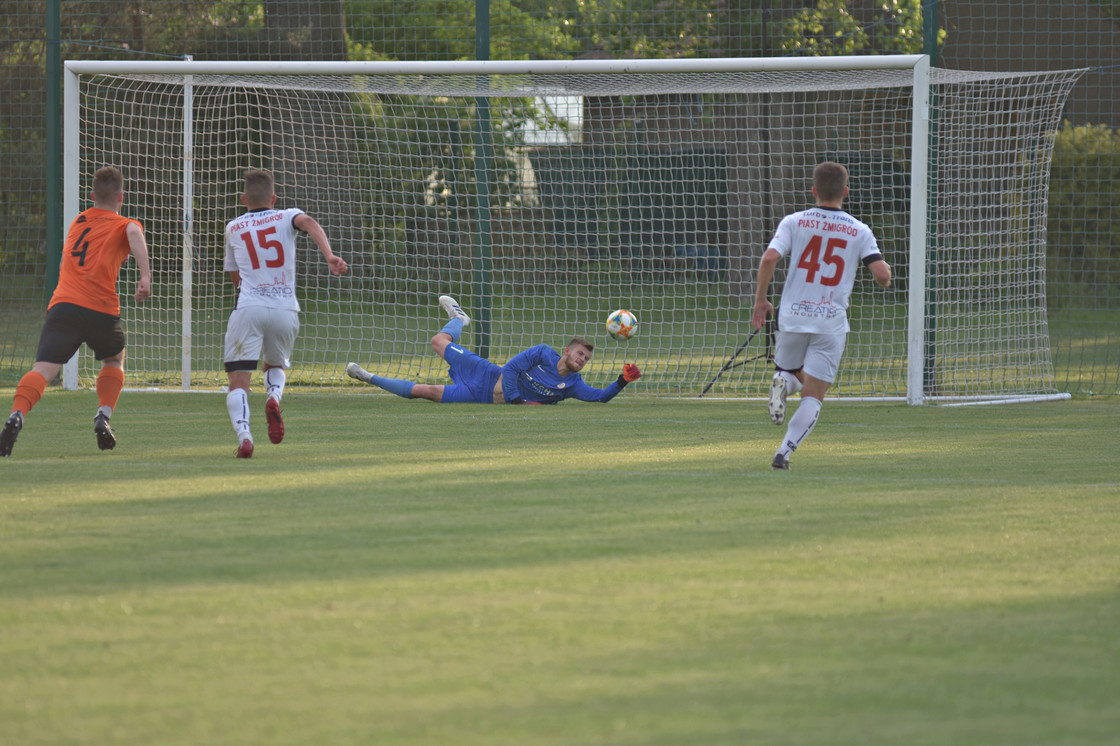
column 658, row 192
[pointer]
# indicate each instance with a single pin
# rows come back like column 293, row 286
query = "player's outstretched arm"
column 588, row 393
column 311, row 227
column 138, row 247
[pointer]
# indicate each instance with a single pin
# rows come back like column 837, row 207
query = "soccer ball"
column 621, row 324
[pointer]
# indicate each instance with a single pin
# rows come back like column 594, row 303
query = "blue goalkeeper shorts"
column 473, row 378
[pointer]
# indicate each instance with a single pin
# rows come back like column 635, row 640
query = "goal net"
column 544, row 195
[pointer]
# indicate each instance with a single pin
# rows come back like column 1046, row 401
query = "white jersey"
column 261, row 246
column 825, row 247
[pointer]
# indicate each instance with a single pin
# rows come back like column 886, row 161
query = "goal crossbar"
column 497, row 67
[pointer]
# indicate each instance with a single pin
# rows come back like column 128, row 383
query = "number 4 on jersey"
column 811, row 260
column 80, row 253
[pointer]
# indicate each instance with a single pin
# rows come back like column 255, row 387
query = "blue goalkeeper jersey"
column 531, row 376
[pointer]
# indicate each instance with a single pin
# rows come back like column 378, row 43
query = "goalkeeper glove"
column 630, row 373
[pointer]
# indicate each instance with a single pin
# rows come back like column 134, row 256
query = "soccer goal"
column 546, row 194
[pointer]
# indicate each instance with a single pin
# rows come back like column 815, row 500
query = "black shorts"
column 68, row 326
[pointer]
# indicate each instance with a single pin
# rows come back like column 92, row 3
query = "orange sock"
column 110, row 381
column 29, row 391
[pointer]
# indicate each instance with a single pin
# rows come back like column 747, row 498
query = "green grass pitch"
column 407, row 573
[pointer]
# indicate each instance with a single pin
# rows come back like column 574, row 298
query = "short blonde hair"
column 259, row 187
column 830, row 179
column 581, row 341
column 108, row 182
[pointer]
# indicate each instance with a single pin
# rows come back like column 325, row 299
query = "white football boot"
column 356, row 371
column 453, row 309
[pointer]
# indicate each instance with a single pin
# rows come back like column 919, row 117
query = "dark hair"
column 108, row 182
column 830, row 178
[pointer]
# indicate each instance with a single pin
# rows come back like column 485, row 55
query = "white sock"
column 801, row 424
column 274, row 380
column 237, row 403
column 105, row 410
column 792, row 384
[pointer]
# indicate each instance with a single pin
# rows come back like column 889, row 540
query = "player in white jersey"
column 260, row 256
column 825, row 246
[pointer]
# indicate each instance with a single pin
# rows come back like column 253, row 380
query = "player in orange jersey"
column 85, row 307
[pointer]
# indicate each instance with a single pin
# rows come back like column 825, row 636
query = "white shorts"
column 259, row 333
column 817, row 354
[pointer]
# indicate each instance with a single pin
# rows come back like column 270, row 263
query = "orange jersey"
column 96, row 247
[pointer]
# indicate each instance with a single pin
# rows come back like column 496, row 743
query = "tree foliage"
column 1084, row 206
column 392, row 30
column 839, row 27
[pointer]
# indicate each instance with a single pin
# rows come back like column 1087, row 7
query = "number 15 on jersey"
column 263, row 241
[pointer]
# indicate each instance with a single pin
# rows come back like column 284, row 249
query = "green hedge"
column 1084, row 212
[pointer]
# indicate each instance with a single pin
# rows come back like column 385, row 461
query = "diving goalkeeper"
column 538, row 375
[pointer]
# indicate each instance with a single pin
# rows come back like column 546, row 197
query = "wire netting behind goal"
column 652, row 192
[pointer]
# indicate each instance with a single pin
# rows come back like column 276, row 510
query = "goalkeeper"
column 538, row 375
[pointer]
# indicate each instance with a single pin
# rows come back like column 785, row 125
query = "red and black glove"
column 630, row 373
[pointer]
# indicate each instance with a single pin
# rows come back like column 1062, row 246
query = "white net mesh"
column 986, row 307
column 653, row 192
